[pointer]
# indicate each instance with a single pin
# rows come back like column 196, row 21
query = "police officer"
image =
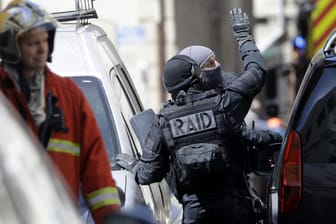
column 196, row 140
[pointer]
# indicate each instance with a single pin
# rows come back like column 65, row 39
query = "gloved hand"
column 240, row 26
column 261, row 137
column 126, row 161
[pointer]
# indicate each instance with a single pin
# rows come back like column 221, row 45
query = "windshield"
column 93, row 91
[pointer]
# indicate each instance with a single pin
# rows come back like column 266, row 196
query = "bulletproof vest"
column 196, row 120
column 198, row 138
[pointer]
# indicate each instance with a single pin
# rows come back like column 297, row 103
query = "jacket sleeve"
column 152, row 170
column 154, row 161
column 260, row 137
column 252, row 80
column 98, row 186
column 237, row 97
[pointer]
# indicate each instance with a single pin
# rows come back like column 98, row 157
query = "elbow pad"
column 251, row 54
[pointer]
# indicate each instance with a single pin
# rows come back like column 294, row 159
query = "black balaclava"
column 212, row 77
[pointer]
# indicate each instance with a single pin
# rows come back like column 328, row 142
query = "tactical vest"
column 193, row 122
column 197, row 135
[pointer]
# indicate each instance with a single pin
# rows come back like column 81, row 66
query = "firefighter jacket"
column 79, row 152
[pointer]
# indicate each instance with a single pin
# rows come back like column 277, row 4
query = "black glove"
column 126, row 161
column 240, row 26
column 261, row 137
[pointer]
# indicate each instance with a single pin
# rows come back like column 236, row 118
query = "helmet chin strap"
column 23, row 83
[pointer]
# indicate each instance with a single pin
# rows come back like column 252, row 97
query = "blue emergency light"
column 299, row 42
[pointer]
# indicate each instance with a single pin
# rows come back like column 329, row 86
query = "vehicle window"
column 124, row 101
column 318, row 133
column 127, row 103
column 108, row 53
column 93, row 90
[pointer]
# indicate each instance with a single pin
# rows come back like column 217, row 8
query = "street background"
column 148, row 32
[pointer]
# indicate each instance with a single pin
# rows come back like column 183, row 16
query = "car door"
column 130, row 106
column 303, row 186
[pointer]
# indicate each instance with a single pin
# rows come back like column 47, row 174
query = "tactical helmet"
column 200, row 54
column 18, row 17
column 179, row 72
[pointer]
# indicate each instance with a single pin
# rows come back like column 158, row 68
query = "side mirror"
column 263, row 159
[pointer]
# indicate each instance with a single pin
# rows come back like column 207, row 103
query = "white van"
column 84, row 52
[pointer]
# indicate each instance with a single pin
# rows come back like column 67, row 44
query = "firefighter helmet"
column 19, row 17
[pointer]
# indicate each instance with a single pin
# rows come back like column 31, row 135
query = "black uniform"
column 196, row 143
column 222, row 196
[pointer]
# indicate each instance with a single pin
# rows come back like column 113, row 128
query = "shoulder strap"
column 204, row 95
column 7, row 83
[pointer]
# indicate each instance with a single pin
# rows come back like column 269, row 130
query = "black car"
column 302, row 188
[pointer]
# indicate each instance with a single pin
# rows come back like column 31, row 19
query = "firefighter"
column 196, row 140
column 53, row 107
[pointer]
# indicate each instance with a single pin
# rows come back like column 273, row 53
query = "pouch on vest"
column 197, row 161
column 145, row 126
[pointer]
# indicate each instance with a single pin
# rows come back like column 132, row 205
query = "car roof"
column 80, row 43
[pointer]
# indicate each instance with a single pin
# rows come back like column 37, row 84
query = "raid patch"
column 192, row 123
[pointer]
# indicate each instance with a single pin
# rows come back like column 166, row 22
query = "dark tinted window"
column 93, row 90
column 317, row 125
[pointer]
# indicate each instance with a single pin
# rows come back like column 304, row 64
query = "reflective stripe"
column 60, row 145
column 102, row 197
